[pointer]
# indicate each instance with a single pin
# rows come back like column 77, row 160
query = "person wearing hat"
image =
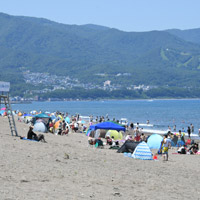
column 33, row 136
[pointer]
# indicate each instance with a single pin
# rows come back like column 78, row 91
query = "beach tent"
column 107, row 126
column 113, row 133
column 41, row 115
column 67, row 120
column 40, row 127
column 154, row 141
column 28, row 119
column 45, row 118
column 128, row 146
column 142, row 151
column 2, row 112
column 88, row 132
column 99, row 133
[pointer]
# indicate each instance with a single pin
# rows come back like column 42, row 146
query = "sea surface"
column 160, row 113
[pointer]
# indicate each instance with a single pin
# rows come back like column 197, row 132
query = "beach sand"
column 66, row 168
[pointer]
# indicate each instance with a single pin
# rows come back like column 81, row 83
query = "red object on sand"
column 188, row 142
column 155, row 157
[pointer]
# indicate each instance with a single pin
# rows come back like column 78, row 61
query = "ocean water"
column 160, row 113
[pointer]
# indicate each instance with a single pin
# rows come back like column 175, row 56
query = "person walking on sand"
column 166, row 145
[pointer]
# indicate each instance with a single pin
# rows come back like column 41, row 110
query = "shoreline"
column 82, row 100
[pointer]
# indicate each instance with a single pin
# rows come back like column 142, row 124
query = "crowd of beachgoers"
column 61, row 123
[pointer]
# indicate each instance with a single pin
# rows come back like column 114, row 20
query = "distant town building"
column 107, row 83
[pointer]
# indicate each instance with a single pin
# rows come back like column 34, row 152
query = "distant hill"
column 152, row 58
column 191, row 35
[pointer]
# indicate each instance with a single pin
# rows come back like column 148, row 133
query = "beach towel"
column 24, row 138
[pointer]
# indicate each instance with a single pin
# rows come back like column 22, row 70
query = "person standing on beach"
column 131, row 125
column 189, row 131
column 166, row 145
column 192, row 128
column 169, row 129
column 174, row 129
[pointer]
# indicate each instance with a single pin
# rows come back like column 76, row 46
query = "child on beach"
column 166, row 145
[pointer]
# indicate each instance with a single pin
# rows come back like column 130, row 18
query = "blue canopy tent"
column 107, row 126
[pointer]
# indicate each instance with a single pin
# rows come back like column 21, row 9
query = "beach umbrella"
column 60, row 117
column 3, row 108
column 20, row 114
column 33, row 112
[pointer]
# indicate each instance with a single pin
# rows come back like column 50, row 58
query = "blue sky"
column 127, row 15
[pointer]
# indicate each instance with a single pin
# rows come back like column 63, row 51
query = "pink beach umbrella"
column 3, row 108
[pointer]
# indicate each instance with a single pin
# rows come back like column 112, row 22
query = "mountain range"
column 157, row 58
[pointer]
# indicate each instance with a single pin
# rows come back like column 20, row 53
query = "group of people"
column 193, row 149
column 190, row 129
column 138, row 137
column 133, row 134
column 182, row 146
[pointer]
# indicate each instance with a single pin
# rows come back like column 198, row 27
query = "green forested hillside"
column 159, row 58
column 191, row 35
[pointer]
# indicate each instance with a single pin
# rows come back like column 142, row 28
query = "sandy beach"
column 67, row 168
